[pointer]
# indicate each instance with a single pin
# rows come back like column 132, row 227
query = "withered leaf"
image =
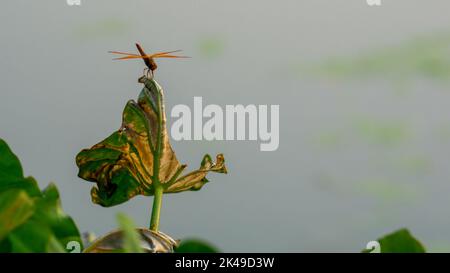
column 138, row 156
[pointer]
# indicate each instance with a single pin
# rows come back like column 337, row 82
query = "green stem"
column 158, row 187
column 156, row 210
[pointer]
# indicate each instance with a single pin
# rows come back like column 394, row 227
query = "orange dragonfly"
column 148, row 58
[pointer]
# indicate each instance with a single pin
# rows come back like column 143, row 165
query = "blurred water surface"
column 364, row 117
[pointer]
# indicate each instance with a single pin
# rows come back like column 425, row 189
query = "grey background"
column 359, row 156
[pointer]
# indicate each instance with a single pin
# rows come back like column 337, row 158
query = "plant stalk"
column 156, row 210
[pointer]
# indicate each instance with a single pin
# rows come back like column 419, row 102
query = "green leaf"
column 50, row 212
column 138, row 157
column 400, row 241
column 10, row 167
column 15, row 209
column 30, row 220
column 11, row 173
column 34, row 237
column 131, row 238
column 195, row 246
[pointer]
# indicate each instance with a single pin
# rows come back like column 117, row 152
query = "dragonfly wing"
column 164, row 53
column 124, row 53
column 170, row 56
column 130, row 57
